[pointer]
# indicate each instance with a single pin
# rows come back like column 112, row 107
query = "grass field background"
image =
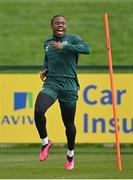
column 25, row 24
column 91, row 162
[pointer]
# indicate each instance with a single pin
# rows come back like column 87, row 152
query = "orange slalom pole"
column 113, row 90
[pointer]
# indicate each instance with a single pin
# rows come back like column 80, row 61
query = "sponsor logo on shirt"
column 64, row 42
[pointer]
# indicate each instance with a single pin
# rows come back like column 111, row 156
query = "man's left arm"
column 78, row 46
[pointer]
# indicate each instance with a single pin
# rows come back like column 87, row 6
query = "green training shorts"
column 63, row 89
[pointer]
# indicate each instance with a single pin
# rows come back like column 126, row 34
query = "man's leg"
column 43, row 102
column 68, row 116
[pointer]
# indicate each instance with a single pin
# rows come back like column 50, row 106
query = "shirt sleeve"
column 45, row 61
column 45, row 65
column 78, row 46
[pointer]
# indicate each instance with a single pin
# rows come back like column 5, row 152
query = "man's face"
column 59, row 26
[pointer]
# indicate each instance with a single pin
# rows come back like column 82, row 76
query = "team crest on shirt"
column 46, row 48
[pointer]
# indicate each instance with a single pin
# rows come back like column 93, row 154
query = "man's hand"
column 57, row 45
column 43, row 74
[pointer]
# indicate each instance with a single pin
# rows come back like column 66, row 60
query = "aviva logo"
column 23, row 100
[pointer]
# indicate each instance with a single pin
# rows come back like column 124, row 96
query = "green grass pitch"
column 91, row 161
column 25, row 24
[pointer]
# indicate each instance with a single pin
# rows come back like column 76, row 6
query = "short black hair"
column 54, row 17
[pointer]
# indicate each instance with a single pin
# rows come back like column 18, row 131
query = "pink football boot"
column 44, row 152
column 69, row 165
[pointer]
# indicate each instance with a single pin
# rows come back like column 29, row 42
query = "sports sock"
column 70, row 154
column 44, row 141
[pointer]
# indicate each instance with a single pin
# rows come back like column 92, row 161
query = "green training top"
column 63, row 62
